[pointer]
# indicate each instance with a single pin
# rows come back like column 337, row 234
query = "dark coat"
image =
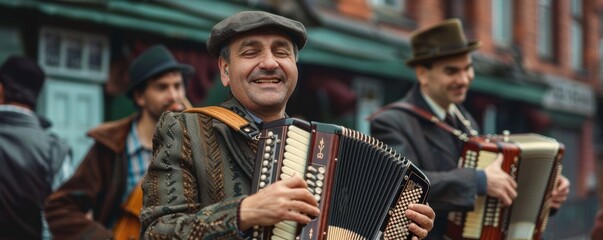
column 97, row 185
column 200, row 173
column 29, row 159
column 432, row 150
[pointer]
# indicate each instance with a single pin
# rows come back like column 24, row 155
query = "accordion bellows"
column 362, row 186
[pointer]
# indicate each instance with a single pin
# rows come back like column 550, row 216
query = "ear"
column 138, row 98
column 223, row 65
column 422, row 74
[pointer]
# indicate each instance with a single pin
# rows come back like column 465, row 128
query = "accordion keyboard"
column 294, row 163
column 483, row 205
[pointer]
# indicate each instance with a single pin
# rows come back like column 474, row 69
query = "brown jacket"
column 96, row 186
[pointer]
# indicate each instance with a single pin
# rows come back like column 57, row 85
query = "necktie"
column 452, row 121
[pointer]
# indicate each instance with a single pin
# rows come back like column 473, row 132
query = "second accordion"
column 534, row 161
column 363, row 187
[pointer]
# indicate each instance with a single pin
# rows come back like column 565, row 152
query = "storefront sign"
column 569, row 96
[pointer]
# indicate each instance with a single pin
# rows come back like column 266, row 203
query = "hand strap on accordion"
column 229, row 118
column 422, row 113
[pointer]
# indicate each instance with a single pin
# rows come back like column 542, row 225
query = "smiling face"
column 448, row 79
column 261, row 71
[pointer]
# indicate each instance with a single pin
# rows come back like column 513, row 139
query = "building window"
column 545, row 29
column 601, row 50
column 397, row 12
column 463, row 10
column 392, row 5
column 74, row 54
column 502, row 22
column 576, row 35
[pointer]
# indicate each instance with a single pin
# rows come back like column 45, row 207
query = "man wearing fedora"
column 199, row 182
column 444, row 70
column 92, row 202
column 30, row 157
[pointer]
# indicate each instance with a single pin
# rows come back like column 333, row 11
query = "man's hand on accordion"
column 499, row 183
column 288, row 199
column 422, row 217
column 560, row 192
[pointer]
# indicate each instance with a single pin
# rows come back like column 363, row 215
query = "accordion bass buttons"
column 314, row 179
column 267, row 160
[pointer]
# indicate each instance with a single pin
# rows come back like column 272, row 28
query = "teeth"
column 267, row 81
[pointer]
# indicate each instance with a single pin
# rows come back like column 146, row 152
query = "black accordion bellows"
column 363, row 187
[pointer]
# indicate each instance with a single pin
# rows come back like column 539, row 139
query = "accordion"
column 534, row 161
column 363, row 187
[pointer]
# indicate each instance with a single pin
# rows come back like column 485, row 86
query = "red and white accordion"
column 362, row 186
column 534, row 161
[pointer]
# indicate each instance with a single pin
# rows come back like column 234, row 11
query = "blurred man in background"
column 30, row 157
column 104, row 196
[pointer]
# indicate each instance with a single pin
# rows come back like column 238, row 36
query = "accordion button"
column 263, row 177
column 265, row 163
column 270, row 134
column 321, row 170
column 266, row 155
column 319, row 183
column 264, row 170
column 310, row 183
column 262, row 184
column 268, row 149
column 310, row 176
column 317, row 197
column 318, row 190
column 320, row 176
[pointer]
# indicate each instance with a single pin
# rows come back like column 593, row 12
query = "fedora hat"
column 444, row 39
column 23, row 78
column 246, row 21
column 151, row 62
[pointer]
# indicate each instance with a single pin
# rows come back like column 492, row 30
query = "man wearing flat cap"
column 199, row 182
column 444, row 69
column 101, row 197
column 30, row 157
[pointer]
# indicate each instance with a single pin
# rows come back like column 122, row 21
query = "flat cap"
column 246, row 21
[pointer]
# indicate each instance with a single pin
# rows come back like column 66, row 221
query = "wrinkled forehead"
column 271, row 35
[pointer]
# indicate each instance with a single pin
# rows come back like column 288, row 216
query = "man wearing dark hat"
column 199, row 181
column 96, row 199
column 30, row 157
column 444, row 70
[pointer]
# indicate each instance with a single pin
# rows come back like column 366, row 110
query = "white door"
column 73, row 108
column 370, row 98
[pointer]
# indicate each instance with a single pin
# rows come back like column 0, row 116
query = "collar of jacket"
column 113, row 134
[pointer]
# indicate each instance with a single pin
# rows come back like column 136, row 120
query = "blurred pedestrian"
column 104, row 193
column 30, row 157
